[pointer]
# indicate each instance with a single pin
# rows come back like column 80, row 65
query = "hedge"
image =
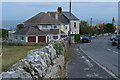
column 76, row 37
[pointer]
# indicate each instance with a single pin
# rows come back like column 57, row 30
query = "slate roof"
column 43, row 18
column 30, row 31
column 67, row 14
column 61, row 17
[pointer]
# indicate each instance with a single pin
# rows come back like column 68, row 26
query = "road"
column 101, row 51
column 82, row 66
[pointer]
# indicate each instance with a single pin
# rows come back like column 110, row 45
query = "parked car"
column 112, row 36
column 86, row 39
column 115, row 41
column 118, row 45
column 86, row 35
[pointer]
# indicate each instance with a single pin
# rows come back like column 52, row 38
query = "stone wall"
column 39, row 63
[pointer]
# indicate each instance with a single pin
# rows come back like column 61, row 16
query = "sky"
column 60, row 0
column 14, row 13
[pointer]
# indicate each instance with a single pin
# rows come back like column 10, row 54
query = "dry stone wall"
column 39, row 63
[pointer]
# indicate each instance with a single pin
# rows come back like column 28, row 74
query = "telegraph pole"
column 70, row 18
column 69, row 23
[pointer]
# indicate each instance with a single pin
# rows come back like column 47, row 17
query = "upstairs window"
column 44, row 27
column 65, row 27
column 54, row 27
column 74, row 24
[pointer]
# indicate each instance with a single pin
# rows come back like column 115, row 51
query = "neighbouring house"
column 100, row 26
column 45, row 27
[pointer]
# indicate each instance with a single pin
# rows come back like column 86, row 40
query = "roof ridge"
column 43, row 18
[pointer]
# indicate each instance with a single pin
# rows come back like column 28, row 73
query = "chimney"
column 59, row 9
column 56, row 15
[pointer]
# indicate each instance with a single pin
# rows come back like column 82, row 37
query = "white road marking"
column 104, row 68
column 109, row 49
column 113, row 51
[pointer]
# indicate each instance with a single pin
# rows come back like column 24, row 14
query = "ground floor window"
column 55, row 37
column 16, row 37
column 65, row 28
column 22, row 38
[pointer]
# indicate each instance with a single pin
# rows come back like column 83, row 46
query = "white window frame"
column 65, row 27
column 55, row 36
column 44, row 26
column 22, row 38
column 16, row 37
column 53, row 27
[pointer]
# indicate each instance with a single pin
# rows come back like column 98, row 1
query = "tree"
column 109, row 28
column 19, row 27
column 88, row 30
column 4, row 33
column 84, row 24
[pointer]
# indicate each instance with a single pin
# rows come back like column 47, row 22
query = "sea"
column 14, row 13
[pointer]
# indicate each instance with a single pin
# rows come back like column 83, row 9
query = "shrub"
column 76, row 37
column 59, row 48
column 4, row 33
column 22, row 44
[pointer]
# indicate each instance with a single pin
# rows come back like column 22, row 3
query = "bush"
column 76, row 37
column 21, row 44
column 4, row 33
column 59, row 48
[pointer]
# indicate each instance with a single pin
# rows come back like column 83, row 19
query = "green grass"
column 11, row 54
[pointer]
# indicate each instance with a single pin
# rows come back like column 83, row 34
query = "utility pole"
column 69, row 23
column 70, row 18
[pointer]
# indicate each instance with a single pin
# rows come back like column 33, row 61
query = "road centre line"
column 113, row 51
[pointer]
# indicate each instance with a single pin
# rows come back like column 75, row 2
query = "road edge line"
column 104, row 68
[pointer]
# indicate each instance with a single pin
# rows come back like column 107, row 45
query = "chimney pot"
column 59, row 9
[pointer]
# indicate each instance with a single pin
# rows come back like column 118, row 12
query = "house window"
column 44, row 26
column 55, row 37
column 65, row 28
column 75, row 32
column 49, row 37
column 16, row 37
column 54, row 27
column 74, row 24
column 22, row 38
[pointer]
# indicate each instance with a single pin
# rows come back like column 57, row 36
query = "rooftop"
column 43, row 18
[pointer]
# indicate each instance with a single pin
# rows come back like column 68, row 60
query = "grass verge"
column 69, row 55
column 11, row 54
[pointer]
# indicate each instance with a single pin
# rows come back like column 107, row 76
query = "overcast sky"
column 60, row 0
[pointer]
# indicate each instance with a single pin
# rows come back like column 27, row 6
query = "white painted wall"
column 19, row 38
column 48, row 27
column 36, row 39
column 51, row 37
column 10, row 35
column 75, row 30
